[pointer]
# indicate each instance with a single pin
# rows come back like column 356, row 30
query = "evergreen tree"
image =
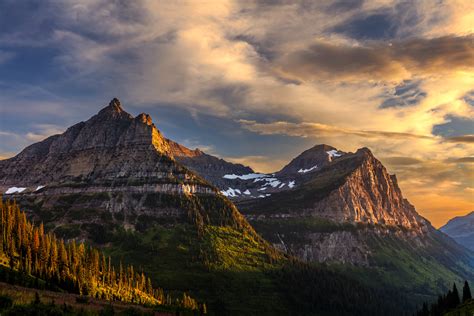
column 456, row 301
column 466, row 292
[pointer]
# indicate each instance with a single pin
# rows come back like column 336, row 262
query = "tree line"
column 75, row 267
column 446, row 302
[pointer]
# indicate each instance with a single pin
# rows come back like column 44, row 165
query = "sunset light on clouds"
column 258, row 82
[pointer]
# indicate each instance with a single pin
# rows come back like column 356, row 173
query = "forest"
column 451, row 301
column 75, row 267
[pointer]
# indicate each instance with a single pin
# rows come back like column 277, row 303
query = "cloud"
column 393, row 61
column 43, row 131
column 401, row 161
column 259, row 163
column 461, row 139
column 308, row 129
column 463, row 160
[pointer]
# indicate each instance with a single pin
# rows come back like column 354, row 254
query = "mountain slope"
column 461, row 229
column 346, row 208
column 211, row 168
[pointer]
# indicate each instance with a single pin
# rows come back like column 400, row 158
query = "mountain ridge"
column 461, row 229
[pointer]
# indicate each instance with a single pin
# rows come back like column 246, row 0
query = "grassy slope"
column 465, row 309
column 225, row 267
column 24, row 295
column 396, row 262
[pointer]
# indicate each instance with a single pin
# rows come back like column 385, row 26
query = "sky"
column 257, row 82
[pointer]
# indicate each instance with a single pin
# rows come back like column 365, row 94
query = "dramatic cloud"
column 393, row 61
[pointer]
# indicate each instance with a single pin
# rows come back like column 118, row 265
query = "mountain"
column 116, row 182
column 123, row 165
column 461, row 229
column 213, row 169
column 329, row 206
column 113, row 181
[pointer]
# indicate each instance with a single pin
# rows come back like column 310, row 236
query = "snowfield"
column 14, row 190
column 245, row 176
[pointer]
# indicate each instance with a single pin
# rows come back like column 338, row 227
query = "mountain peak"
column 311, row 159
column 113, row 111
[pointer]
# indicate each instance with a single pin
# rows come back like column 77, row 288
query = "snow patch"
column 231, row 192
column 247, row 192
column 245, row 176
column 14, row 190
column 274, row 183
column 39, row 187
column 291, row 184
column 333, row 153
column 307, row 170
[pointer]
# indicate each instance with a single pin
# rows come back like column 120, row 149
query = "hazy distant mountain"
column 461, row 229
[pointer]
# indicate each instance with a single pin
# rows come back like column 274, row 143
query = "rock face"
column 340, row 207
column 369, row 195
column 461, row 229
column 112, row 169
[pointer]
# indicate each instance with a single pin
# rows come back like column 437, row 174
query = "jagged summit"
column 311, row 160
column 113, row 111
column 83, row 147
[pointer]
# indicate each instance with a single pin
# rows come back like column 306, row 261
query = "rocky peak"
column 311, row 160
column 113, row 111
column 370, row 195
column 110, row 130
column 144, row 118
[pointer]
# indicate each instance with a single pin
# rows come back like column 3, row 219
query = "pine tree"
column 466, row 292
column 455, row 296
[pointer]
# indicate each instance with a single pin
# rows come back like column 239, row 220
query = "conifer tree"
column 456, row 300
column 466, row 292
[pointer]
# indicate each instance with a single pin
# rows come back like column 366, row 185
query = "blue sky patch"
column 405, row 94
